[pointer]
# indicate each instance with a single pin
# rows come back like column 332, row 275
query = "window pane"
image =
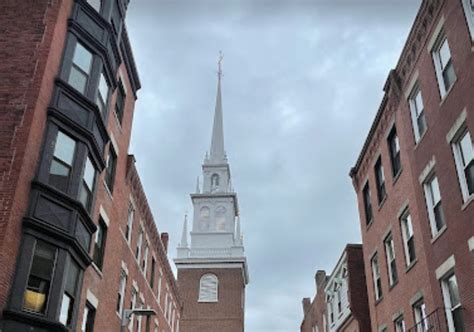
column 102, row 93
column 435, row 194
column 78, row 79
column 59, row 175
column 465, row 145
column 448, row 75
column 67, row 305
column 64, row 148
column 96, row 4
column 421, row 122
column 36, row 294
column 418, row 102
column 82, row 58
column 72, row 278
column 444, row 54
column 89, row 174
column 453, row 291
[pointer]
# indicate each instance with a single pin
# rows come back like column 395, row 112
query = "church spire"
column 217, row 153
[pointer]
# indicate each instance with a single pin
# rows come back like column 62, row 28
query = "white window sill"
column 107, row 190
column 446, row 94
column 97, row 270
column 438, row 235
column 417, row 143
column 468, row 202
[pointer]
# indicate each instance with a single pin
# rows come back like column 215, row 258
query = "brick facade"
column 448, row 114
column 38, row 100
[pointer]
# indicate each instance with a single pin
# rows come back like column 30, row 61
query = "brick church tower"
column 212, row 269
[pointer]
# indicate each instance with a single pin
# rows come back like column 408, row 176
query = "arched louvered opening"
column 208, row 286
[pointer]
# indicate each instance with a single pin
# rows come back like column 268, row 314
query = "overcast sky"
column 302, row 82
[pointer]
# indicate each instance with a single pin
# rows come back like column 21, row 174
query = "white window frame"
column 376, row 276
column 213, row 292
column 133, row 302
column 447, row 300
column 407, row 234
column 469, row 12
column 159, row 287
column 400, row 324
column 390, row 251
column 440, row 40
column 416, row 113
column 130, row 219
column 121, row 290
column 145, row 258
column 139, row 245
column 432, row 201
column 459, row 161
column 419, row 310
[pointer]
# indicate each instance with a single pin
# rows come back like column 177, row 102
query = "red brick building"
column 78, row 243
column 340, row 303
column 414, row 180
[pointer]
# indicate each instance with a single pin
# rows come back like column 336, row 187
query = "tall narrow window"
column 120, row 102
column 444, row 66
column 214, row 182
column 99, row 244
column 102, row 94
column 376, row 277
column 63, row 159
column 121, row 292
column 152, row 273
column 160, row 280
column 433, row 201
column 408, row 239
column 39, row 280
column 87, row 187
column 464, row 158
column 452, row 303
column 138, row 250
column 339, row 302
column 380, row 180
column 81, row 68
column 391, row 263
column 111, row 165
column 367, row 204
column 145, row 258
column 88, row 318
column 394, row 147
column 469, row 12
column 69, row 296
column 419, row 310
column 400, row 324
column 133, row 304
column 417, row 114
column 129, row 227
column 330, row 301
column 208, row 288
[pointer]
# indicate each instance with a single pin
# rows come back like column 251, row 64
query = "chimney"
column 320, row 278
column 164, row 239
column 306, row 304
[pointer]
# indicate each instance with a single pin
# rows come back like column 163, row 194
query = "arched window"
column 208, row 286
column 204, row 218
column 214, row 180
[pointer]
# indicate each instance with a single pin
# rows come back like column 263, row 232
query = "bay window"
column 80, row 68
column 62, row 162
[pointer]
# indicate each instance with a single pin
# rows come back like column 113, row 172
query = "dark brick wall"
column 314, row 315
column 33, row 34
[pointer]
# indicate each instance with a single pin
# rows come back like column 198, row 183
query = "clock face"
column 220, row 218
column 204, row 218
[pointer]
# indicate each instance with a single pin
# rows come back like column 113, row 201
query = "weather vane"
column 219, row 64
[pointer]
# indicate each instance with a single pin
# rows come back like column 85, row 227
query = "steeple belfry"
column 217, row 153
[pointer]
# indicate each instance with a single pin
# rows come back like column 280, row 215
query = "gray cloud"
column 302, row 83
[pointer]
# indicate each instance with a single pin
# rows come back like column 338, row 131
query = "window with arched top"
column 208, row 286
column 214, row 180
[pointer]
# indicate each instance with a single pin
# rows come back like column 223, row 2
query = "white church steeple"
column 217, row 152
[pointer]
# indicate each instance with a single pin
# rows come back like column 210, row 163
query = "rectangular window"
column 99, row 244
column 160, row 279
column 400, row 324
column 464, row 158
column 452, row 303
column 408, row 239
column 133, row 303
column 138, row 250
column 39, row 280
column 129, row 227
column 81, row 68
column 87, row 186
column 62, row 162
column 469, row 12
column 69, row 296
column 376, row 277
column 120, row 102
column 367, row 204
column 433, row 202
column 88, row 318
column 96, row 4
column 443, row 66
column 331, row 311
column 102, row 95
column 417, row 111
column 421, row 321
column 394, row 147
column 339, row 302
column 380, row 180
column 391, row 262
column 145, row 258
column 152, row 273
column 111, row 165
column 121, row 292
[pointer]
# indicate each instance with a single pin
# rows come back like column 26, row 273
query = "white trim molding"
column 92, row 299
column 104, row 216
column 445, row 267
column 427, row 171
column 470, row 243
column 457, row 127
